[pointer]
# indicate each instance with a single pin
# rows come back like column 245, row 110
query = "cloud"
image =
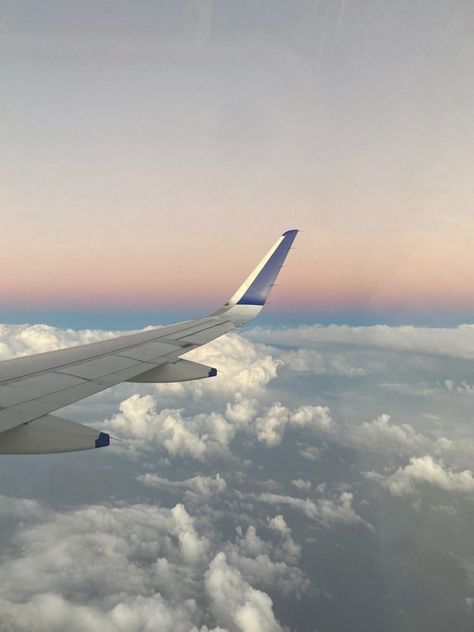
column 243, row 367
column 129, row 565
column 18, row 340
column 112, row 568
column 201, row 419
column 455, row 342
column 197, row 486
column 461, row 387
column 309, row 452
column 143, row 428
column 320, row 363
column 235, row 603
column 326, row 511
column 278, row 524
column 381, row 434
column 425, row 469
column 136, row 568
column 266, row 563
column 54, row 613
column 272, row 425
column 301, row 484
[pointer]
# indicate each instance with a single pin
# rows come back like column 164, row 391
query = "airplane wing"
column 33, row 387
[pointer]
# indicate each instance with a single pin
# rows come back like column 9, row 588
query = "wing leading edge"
column 32, row 387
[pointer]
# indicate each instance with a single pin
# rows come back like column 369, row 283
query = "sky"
column 151, row 152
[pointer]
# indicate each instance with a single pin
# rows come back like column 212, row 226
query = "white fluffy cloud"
column 243, row 367
column 272, row 424
column 235, row 602
column 266, row 563
column 301, row 484
column 18, row 340
column 143, row 428
column 425, row 469
column 135, row 568
column 383, row 435
column 278, row 523
column 109, row 568
column 456, row 342
column 326, row 511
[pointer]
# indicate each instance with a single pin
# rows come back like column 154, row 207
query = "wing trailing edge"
column 180, row 371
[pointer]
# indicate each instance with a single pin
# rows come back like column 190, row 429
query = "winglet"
column 250, row 298
column 257, row 286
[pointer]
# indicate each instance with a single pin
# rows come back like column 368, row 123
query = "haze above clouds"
column 148, row 143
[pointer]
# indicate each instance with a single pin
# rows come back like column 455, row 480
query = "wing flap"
column 180, row 371
column 51, row 434
column 36, row 408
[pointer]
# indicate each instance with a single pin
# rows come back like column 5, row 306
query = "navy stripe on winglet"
column 103, row 440
column 260, row 289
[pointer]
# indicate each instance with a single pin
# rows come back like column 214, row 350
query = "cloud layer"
column 228, row 498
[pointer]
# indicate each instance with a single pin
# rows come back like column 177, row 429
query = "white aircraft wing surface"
column 32, row 387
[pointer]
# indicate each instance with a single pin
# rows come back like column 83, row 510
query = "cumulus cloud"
column 271, row 426
column 235, row 603
column 111, row 568
column 18, row 340
column 266, row 563
column 141, row 614
column 326, row 511
column 425, row 469
column 137, row 568
column 380, row 435
column 144, row 428
column 278, row 523
column 243, row 367
column 383, row 435
column 301, row 484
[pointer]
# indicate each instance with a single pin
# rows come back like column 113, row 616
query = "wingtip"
column 103, row 440
column 291, row 231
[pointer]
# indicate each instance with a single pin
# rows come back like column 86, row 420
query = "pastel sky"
column 151, row 152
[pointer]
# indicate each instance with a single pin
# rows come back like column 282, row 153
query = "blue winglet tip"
column 103, row 440
column 212, row 372
column 260, row 288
